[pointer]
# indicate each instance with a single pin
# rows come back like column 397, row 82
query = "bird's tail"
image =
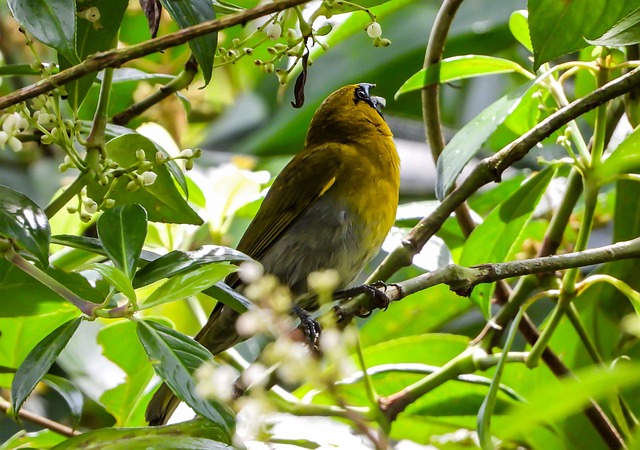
column 218, row 334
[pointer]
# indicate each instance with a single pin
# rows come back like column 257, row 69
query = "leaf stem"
column 84, row 306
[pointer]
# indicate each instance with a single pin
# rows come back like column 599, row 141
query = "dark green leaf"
column 198, row 434
column 224, row 294
column 69, row 392
column 122, row 231
column 560, row 27
column 459, row 68
column 188, row 283
column 52, row 22
column 179, row 261
column 92, row 245
column 162, row 200
column 18, row 69
column 176, row 357
column 625, row 32
column 92, row 38
column 191, row 13
column 468, row 141
column 507, row 221
column 23, row 221
column 38, row 362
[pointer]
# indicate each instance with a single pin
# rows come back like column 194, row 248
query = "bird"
column 331, row 207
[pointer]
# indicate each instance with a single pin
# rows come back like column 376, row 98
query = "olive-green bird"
column 331, row 207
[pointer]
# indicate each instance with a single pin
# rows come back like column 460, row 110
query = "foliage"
column 106, row 272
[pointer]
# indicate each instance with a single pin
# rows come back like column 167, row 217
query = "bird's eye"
column 361, row 94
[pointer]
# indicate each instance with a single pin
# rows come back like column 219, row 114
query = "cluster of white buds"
column 12, row 124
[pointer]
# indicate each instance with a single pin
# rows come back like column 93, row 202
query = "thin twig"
column 49, row 424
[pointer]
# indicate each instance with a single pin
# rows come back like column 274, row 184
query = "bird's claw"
column 310, row 327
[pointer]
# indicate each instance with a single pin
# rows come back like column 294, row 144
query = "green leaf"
column 52, row 22
column 69, row 392
column 625, row 32
column 24, row 222
column 459, row 68
column 162, row 200
column 507, row 221
column 38, row 362
column 225, row 294
column 191, row 13
column 92, row 38
column 341, row 8
column 122, row 231
column 625, row 158
column 560, row 27
column 93, row 245
column 176, row 357
column 116, row 278
column 198, row 434
column 595, row 383
column 468, row 141
column 519, row 27
column 188, row 283
column 43, row 439
column 179, row 261
column 123, row 401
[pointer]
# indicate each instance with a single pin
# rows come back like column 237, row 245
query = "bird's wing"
column 292, row 193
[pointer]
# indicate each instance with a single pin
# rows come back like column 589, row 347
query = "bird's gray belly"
column 327, row 236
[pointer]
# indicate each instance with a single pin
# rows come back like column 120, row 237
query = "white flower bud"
column 140, row 154
column 15, row 144
column 186, row 153
column 374, row 30
column 4, row 137
column 148, row 178
column 273, row 30
column 90, row 206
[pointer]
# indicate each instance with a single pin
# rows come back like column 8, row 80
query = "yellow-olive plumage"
column 330, row 208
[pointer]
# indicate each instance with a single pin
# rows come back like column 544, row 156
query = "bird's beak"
column 378, row 103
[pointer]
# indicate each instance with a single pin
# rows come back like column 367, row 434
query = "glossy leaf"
column 459, row 68
column 190, row 13
column 625, row 32
column 116, row 277
column 198, row 434
column 122, row 231
column 162, row 200
column 225, row 294
column 52, row 22
column 188, row 283
column 177, row 356
column 93, row 37
column 507, row 222
column 559, row 27
column 625, row 158
column 178, row 261
column 468, row 141
column 43, row 439
column 93, row 245
column 341, row 8
column 24, row 222
column 122, row 401
column 38, row 362
column 69, row 392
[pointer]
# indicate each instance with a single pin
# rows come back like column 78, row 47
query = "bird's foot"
column 374, row 290
column 310, row 328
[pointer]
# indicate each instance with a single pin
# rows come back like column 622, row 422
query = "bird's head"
column 348, row 112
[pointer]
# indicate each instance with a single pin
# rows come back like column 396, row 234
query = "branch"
column 117, row 57
column 491, row 168
column 56, row 427
column 462, row 280
column 181, row 81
